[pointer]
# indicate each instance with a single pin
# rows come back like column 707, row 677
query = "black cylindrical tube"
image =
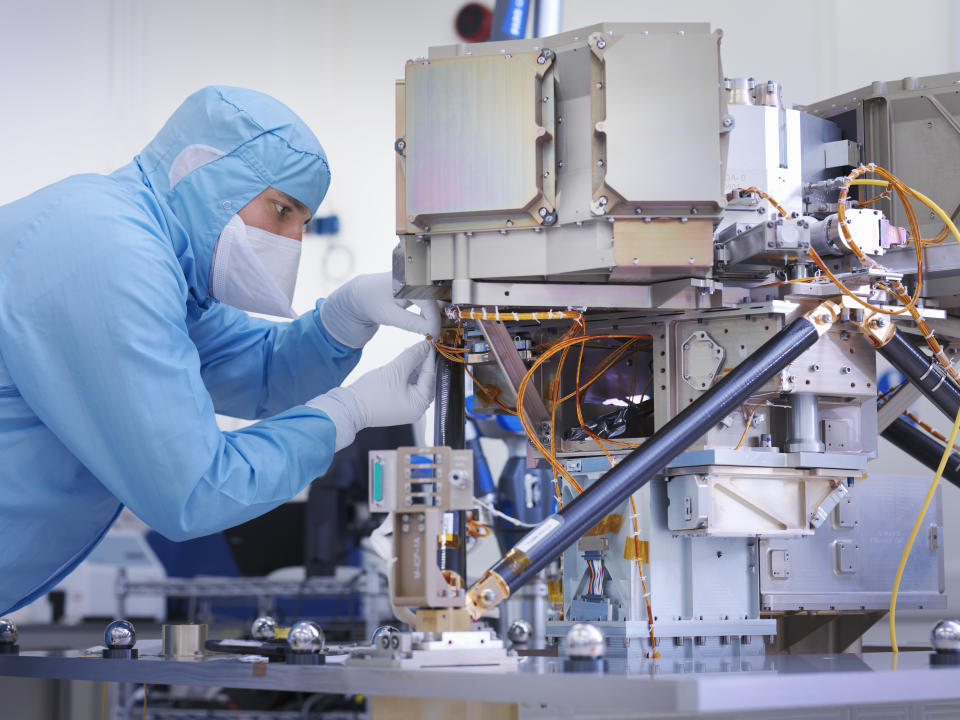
column 449, row 429
column 924, row 372
column 553, row 535
column 920, row 446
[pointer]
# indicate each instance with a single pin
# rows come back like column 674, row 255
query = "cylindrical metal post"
column 549, row 538
column 547, row 17
column 449, row 429
column 921, row 446
column 804, row 424
column 460, row 286
column 924, row 372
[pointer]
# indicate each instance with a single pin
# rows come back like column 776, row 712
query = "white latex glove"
column 395, row 394
column 354, row 311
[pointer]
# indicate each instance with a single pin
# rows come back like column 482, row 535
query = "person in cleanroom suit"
column 122, row 332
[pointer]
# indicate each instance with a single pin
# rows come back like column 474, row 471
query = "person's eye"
column 282, row 209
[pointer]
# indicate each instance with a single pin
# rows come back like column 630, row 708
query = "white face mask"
column 254, row 270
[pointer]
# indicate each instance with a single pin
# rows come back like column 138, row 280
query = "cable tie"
column 943, row 377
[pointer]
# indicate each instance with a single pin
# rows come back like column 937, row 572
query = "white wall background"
column 86, row 84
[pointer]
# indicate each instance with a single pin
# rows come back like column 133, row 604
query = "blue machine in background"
column 524, row 493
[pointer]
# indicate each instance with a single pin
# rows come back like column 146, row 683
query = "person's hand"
column 354, row 311
column 395, row 394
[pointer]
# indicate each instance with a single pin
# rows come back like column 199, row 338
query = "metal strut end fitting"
column 824, row 315
column 877, row 328
column 485, row 594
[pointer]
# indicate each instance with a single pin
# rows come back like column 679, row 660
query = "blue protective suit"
column 114, row 357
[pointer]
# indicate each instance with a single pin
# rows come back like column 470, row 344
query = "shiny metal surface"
column 381, row 632
column 740, row 90
column 306, row 636
column 263, row 628
column 678, row 72
column 184, row 641
column 120, row 634
column 804, row 424
column 497, row 173
column 520, row 631
column 585, row 640
column 8, row 632
column 946, row 635
column 869, row 530
column 803, row 684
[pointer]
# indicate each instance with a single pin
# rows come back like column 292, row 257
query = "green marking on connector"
column 377, row 481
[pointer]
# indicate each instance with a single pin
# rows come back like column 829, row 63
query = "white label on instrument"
column 538, row 533
column 448, row 523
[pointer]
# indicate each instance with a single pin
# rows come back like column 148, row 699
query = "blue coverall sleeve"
column 99, row 347
column 256, row 368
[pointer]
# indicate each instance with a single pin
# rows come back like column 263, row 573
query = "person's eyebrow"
column 296, row 204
